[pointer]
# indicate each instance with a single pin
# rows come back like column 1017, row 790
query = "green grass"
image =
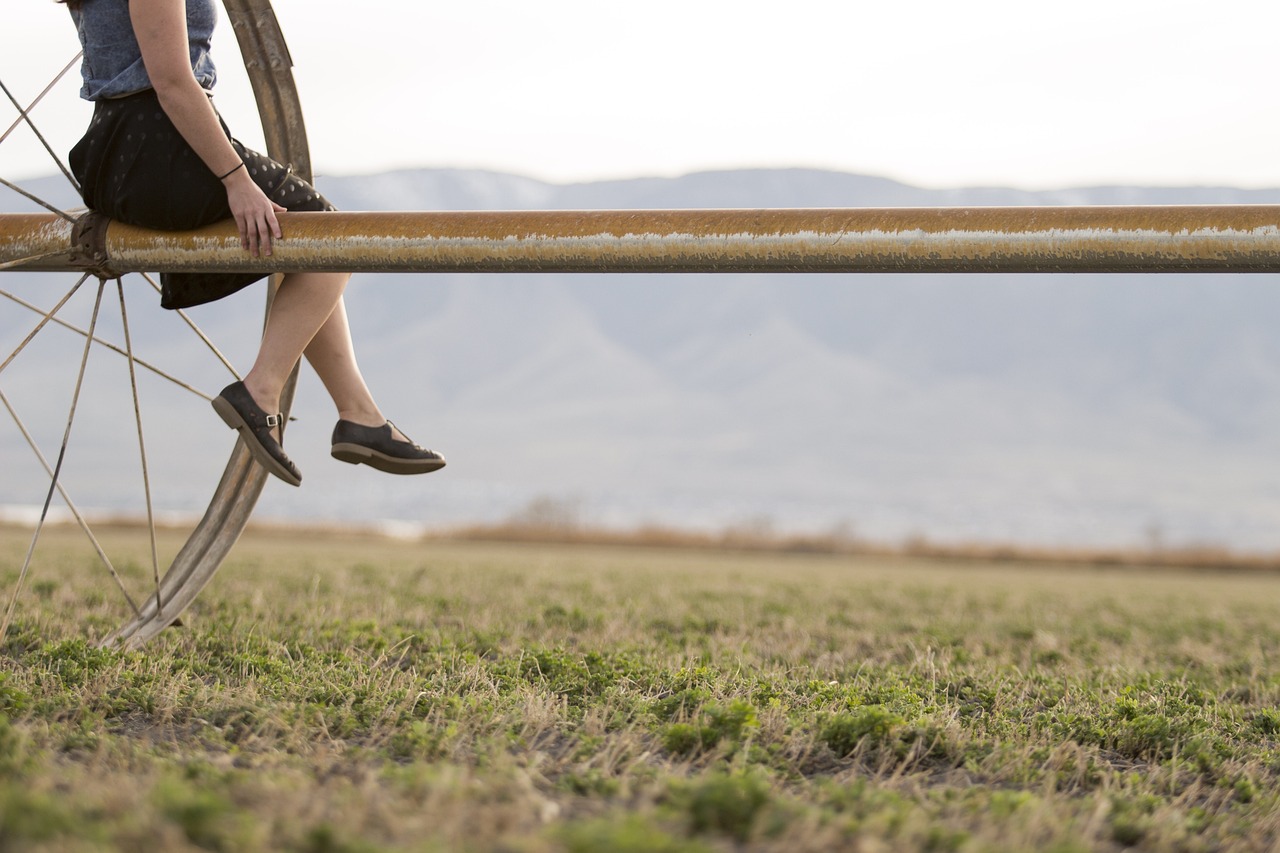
column 332, row 695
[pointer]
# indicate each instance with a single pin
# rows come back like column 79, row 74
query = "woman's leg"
column 332, row 355
column 308, row 316
column 302, row 306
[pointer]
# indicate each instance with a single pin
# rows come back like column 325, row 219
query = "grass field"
column 340, row 694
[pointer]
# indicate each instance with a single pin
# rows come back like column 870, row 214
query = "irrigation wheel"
column 268, row 65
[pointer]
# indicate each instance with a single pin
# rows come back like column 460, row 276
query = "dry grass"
column 349, row 694
column 765, row 540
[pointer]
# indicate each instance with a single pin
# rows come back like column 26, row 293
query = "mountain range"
column 1088, row 410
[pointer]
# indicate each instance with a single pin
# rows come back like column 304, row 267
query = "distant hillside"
column 1086, row 410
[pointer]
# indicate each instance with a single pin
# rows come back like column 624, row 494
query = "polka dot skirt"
column 134, row 166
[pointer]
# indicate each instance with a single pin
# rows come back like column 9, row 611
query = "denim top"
column 112, row 65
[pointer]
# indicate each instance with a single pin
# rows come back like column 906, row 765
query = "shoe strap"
column 410, row 441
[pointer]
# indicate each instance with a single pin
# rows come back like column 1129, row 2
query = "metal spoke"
column 75, row 511
column 142, row 445
column 57, row 468
column 40, row 97
column 265, row 59
column 213, row 348
column 79, row 331
column 17, row 262
column 20, row 191
column 47, row 317
column 26, row 115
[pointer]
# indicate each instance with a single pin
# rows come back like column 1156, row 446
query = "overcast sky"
column 1011, row 92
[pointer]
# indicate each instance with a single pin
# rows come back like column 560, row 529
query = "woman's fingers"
column 255, row 214
column 242, row 225
column 248, row 233
column 264, row 233
column 257, row 229
column 274, row 225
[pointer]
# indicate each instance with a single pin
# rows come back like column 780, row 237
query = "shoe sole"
column 358, row 454
column 232, row 418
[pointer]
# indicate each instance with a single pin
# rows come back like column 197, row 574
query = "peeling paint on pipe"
column 1017, row 239
column 41, row 236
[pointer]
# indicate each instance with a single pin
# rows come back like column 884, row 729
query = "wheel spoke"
column 142, row 444
column 25, row 115
column 20, row 191
column 114, row 348
column 44, row 322
column 213, row 348
column 75, row 511
column 57, row 468
column 265, row 59
column 29, row 259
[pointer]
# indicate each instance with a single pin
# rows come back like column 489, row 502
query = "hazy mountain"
column 1088, row 409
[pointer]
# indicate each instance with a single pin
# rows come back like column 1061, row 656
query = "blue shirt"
column 112, row 65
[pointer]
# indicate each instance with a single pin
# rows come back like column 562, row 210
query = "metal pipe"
column 1243, row 238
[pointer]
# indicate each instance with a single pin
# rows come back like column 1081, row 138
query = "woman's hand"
column 255, row 214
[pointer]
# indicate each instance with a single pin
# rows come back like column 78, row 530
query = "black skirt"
column 134, row 166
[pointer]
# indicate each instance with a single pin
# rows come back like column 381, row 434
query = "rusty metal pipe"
column 984, row 239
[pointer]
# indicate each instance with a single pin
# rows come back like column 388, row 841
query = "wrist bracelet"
column 240, row 165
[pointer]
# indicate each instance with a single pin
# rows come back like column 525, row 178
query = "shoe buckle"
column 274, row 420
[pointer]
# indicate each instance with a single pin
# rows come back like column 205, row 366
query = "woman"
column 157, row 154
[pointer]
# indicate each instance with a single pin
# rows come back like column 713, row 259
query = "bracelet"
column 232, row 172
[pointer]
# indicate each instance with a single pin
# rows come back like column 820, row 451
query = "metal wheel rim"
column 267, row 61
column 268, row 66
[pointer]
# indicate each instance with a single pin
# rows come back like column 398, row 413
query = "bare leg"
column 309, row 316
column 333, row 356
column 302, row 305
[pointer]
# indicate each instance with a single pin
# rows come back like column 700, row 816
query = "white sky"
column 932, row 92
